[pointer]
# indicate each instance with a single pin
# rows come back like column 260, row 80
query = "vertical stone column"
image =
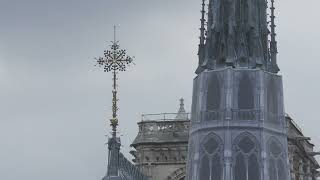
column 196, row 160
column 308, row 173
column 293, row 177
column 291, row 152
column 194, row 173
column 264, row 166
column 262, row 102
column 229, row 94
column 301, row 173
column 228, row 169
column 228, row 166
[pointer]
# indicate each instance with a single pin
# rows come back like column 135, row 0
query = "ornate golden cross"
column 114, row 60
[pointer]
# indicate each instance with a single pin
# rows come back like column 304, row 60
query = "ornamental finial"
column 182, row 114
column 114, row 60
column 273, row 42
column 201, row 50
column 181, row 102
column 203, row 21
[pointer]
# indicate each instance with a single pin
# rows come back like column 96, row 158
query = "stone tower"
column 161, row 145
column 238, row 129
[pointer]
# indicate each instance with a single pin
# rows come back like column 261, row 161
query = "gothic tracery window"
column 211, row 161
column 276, row 163
column 246, row 158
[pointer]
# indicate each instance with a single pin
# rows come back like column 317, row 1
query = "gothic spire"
column 201, row 51
column 235, row 36
column 203, row 21
column 182, row 114
column 273, row 42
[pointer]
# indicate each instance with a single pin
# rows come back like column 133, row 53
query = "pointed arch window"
column 245, row 156
column 245, row 93
column 276, row 167
column 213, row 94
column 211, row 165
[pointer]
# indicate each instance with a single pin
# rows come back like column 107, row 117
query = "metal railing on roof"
column 166, row 117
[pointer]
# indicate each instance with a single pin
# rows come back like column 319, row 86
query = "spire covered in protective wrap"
column 237, row 36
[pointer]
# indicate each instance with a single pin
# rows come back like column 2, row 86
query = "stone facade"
column 303, row 165
column 161, row 145
column 162, row 159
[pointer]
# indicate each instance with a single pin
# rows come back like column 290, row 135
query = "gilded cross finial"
column 114, row 60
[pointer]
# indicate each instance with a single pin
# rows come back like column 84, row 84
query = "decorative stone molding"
column 178, row 174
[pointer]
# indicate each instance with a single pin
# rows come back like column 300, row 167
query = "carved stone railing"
column 156, row 127
column 213, row 115
column 237, row 114
column 275, row 119
column 245, row 114
column 128, row 171
column 165, row 117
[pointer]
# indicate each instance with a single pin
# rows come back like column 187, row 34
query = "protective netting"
column 213, row 93
column 245, row 93
column 277, row 170
column 246, row 159
column 211, row 165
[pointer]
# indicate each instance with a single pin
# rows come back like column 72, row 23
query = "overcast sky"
column 55, row 104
